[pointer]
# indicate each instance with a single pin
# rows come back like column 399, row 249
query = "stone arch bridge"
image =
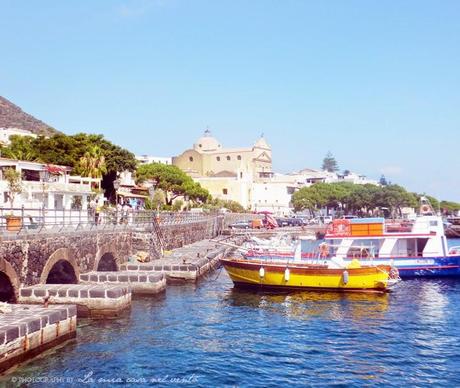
column 58, row 258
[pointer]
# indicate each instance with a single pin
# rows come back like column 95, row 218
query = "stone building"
column 227, row 173
column 208, row 158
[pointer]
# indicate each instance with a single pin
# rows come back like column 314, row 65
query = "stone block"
column 123, row 278
column 97, row 293
column 34, row 325
column 62, row 293
column 93, row 278
column 84, row 277
column 158, row 268
column 83, row 293
column 39, row 292
column 112, row 278
column 73, row 293
column 133, row 278
column 71, row 311
column 102, row 278
column 12, row 332
column 53, row 317
column 26, row 292
column 114, row 293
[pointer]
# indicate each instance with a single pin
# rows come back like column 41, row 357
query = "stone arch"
column 62, row 259
column 104, row 253
column 9, row 282
column 107, row 262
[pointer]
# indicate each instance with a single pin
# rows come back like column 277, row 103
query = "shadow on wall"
column 62, row 273
column 6, row 289
column 107, row 263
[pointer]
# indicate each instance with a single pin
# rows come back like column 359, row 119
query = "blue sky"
column 377, row 83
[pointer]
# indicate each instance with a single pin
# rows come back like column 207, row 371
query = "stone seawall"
column 176, row 236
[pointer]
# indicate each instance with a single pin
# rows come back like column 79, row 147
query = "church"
column 208, row 158
column 227, row 173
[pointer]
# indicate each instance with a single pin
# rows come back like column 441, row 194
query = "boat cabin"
column 379, row 238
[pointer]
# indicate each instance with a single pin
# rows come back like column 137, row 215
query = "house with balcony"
column 46, row 186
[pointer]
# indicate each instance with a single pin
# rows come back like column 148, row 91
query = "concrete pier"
column 187, row 263
column 139, row 283
column 92, row 301
column 29, row 330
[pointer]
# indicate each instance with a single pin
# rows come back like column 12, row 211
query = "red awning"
column 53, row 169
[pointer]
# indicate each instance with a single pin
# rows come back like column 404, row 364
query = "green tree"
column 177, row 205
column 92, row 163
column 20, row 148
column 172, row 181
column 13, row 179
column 449, row 207
column 69, row 151
column 329, row 163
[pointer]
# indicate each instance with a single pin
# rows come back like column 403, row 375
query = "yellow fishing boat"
column 285, row 276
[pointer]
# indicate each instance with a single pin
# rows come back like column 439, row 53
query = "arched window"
column 239, row 157
column 191, row 158
column 218, row 158
column 228, row 157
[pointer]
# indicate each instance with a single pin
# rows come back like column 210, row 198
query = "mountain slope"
column 12, row 116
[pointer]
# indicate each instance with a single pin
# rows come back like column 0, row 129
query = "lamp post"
column 116, row 186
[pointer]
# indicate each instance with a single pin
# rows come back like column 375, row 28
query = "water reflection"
column 310, row 304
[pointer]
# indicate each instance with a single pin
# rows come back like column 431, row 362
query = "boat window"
column 405, row 247
column 421, row 244
column 309, row 248
column 365, row 248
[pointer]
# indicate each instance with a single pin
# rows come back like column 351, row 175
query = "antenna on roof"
column 207, row 132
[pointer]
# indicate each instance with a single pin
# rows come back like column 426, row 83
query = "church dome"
column 207, row 143
column 262, row 143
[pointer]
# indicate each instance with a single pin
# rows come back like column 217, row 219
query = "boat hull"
column 300, row 277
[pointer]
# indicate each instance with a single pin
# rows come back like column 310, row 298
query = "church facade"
column 229, row 173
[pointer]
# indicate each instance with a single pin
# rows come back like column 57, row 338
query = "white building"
column 146, row 159
column 357, row 179
column 5, row 134
column 46, row 186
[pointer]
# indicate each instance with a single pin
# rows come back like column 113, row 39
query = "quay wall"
column 174, row 236
column 27, row 259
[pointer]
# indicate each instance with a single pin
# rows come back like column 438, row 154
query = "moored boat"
column 417, row 248
column 278, row 275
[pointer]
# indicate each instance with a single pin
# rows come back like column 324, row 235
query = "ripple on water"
column 231, row 337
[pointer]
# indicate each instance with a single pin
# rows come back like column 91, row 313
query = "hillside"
column 13, row 116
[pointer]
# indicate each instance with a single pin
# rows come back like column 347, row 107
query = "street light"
column 116, row 186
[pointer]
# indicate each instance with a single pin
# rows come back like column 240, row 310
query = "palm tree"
column 92, row 163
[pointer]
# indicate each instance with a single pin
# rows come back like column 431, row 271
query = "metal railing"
column 33, row 220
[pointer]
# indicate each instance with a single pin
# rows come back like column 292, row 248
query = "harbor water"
column 211, row 334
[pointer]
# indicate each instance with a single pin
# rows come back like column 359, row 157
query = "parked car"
column 349, row 217
column 295, row 221
column 282, row 222
column 240, row 225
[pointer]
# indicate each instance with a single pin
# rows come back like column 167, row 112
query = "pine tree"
column 329, row 163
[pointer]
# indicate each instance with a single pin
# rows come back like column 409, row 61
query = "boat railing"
column 398, row 226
